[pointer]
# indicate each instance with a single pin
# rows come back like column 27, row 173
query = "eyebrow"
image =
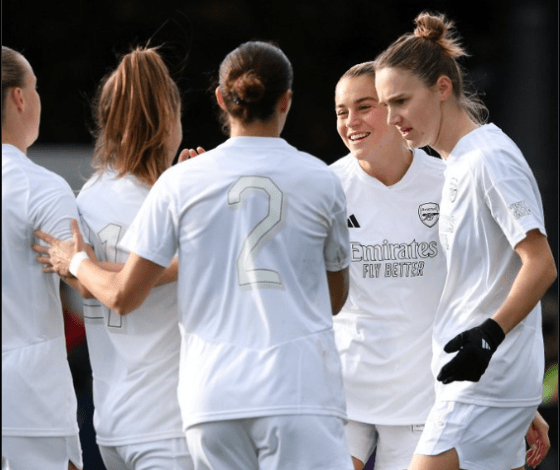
column 360, row 100
column 395, row 98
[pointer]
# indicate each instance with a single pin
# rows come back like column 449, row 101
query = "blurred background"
column 72, row 44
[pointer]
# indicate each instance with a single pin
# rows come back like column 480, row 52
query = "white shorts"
column 394, row 445
column 270, row 443
column 171, row 454
column 484, row 438
column 46, row 453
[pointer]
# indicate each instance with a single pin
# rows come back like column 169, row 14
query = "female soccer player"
column 262, row 239
column 135, row 359
column 39, row 426
column 384, row 330
column 499, row 263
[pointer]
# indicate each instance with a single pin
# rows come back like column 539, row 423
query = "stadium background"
column 71, row 45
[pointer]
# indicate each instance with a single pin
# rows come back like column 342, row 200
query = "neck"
column 14, row 138
column 388, row 164
column 455, row 125
column 270, row 128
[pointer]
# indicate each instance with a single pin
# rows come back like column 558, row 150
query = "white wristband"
column 75, row 262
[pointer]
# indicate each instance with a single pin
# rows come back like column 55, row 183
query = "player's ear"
column 285, row 101
column 16, row 96
column 444, row 87
column 220, row 99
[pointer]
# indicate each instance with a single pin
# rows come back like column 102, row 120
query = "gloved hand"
column 475, row 347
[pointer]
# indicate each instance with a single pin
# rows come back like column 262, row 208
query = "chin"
column 416, row 144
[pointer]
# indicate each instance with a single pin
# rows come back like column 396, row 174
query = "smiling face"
column 361, row 120
column 411, row 106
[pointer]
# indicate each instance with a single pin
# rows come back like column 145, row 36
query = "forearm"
column 77, row 286
column 338, row 289
column 536, row 275
column 122, row 291
column 102, row 281
column 170, row 274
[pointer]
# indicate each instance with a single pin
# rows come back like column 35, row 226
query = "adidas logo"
column 353, row 222
column 485, row 345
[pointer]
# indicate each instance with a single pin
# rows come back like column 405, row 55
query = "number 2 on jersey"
column 246, row 273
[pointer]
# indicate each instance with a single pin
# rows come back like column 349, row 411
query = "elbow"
column 122, row 304
column 551, row 273
column 86, row 294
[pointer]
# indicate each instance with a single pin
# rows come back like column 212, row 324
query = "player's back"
column 257, row 221
column 258, row 224
column 37, row 393
column 135, row 358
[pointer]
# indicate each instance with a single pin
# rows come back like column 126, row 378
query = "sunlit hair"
column 359, row 70
column 252, row 78
column 433, row 50
column 134, row 111
column 13, row 74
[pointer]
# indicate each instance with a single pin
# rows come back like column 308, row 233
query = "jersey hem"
column 38, row 433
column 234, row 415
column 513, row 403
column 108, row 442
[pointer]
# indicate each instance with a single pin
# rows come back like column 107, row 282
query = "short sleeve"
column 53, row 206
column 153, row 234
column 512, row 196
column 337, row 244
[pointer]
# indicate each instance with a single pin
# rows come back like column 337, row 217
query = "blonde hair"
column 13, row 74
column 133, row 111
column 433, row 50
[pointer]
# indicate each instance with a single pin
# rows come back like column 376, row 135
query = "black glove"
column 475, row 347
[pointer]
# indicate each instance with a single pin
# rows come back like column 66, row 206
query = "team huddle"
column 251, row 307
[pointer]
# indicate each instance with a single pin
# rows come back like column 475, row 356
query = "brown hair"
column 358, row 70
column 133, row 111
column 13, row 74
column 252, row 78
column 431, row 51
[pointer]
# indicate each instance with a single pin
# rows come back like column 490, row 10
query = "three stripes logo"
column 485, row 345
column 353, row 222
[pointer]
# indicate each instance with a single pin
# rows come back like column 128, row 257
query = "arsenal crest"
column 428, row 213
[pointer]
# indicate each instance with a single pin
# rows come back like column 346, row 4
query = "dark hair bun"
column 248, row 88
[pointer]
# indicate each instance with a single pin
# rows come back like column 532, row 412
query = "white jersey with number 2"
column 257, row 224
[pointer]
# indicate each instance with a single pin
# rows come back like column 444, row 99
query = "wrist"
column 76, row 261
column 494, row 331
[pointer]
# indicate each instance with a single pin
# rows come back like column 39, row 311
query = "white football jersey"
column 384, row 331
column 38, row 397
column 257, row 224
column 134, row 358
column 490, row 201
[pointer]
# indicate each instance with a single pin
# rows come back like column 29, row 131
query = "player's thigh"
column 45, row 453
column 396, row 445
column 483, row 437
column 171, row 454
column 361, row 438
column 301, row 441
